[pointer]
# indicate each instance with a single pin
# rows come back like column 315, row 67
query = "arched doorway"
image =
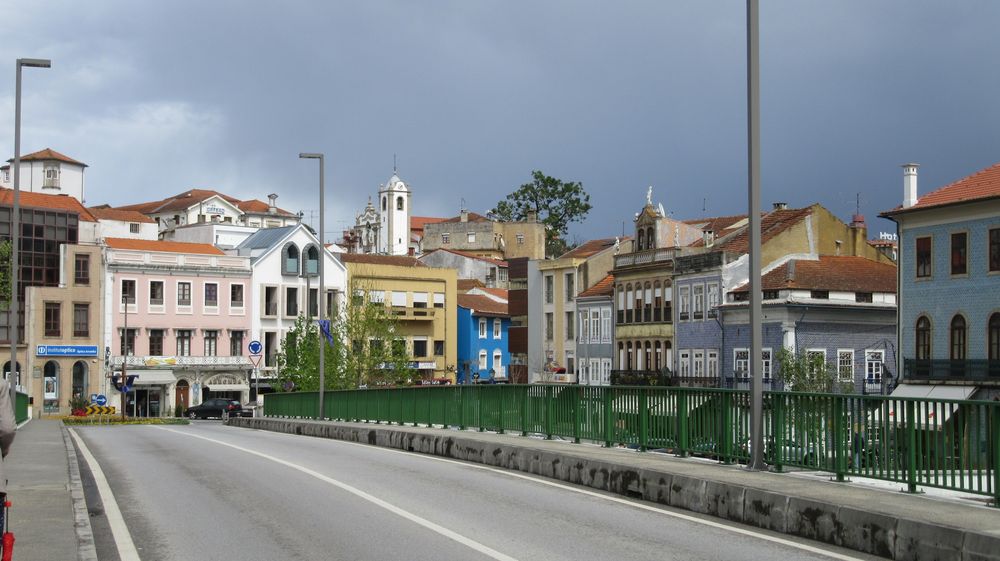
column 182, row 398
column 17, row 374
column 226, row 385
column 51, row 386
column 80, row 379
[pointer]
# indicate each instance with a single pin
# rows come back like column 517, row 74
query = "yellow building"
column 424, row 301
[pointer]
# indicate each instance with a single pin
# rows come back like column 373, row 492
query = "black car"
column 215, row 407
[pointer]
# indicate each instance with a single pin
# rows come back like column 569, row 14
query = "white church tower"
column 394, row 217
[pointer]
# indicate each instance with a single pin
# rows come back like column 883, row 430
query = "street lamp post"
column 322, row 283
column 15, row 220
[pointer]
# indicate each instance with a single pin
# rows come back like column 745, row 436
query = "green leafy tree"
column 811, row 374
column 557, row 203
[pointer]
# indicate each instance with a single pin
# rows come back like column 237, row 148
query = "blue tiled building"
column 949, row 283
column 483, row 355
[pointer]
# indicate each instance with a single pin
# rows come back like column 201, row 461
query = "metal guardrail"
column 949, row 444
column 20, row 407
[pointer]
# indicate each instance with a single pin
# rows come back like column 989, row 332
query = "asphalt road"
column 207, row 491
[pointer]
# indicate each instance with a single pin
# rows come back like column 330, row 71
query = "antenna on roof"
column 394, row 163
column 857, row 204
column 703, row 201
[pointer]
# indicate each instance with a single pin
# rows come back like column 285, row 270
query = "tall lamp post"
column 322, row 283
column 15, row 220
column 753, row 212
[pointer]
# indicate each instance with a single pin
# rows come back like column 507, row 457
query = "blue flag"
column 324, row 328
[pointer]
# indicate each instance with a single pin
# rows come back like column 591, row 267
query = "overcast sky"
column 161, row 97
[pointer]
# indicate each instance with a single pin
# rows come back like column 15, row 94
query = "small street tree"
column 557, row 203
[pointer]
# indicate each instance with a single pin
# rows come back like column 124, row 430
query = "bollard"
column 911, row 448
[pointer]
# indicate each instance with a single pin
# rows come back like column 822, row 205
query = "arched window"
column 399, row 203
column 659, row 356
column 629, row 357
column 51, row 389
column 650, row 238
column 639, row 238
column 290, row 260
column 923, row 339
column 958, row 345
column 312, row 260
column 482, row 360
column 647, row 358
column 17, row 372
column 79, row 378
column 994, row 337
column 497, row 363
column 384, row 202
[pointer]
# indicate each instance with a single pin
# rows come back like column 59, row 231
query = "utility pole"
column 124, row 378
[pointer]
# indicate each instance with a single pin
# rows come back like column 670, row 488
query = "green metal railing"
column 20, row 407
column 949, row 444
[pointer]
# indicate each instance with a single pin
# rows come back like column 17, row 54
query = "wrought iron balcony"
column 955, row 370
column 645, row 257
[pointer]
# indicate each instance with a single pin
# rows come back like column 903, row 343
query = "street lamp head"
column 35, row 62
column 311, row 155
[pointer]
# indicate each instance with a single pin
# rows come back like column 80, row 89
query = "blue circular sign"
column 255, row 347
column 101, row 399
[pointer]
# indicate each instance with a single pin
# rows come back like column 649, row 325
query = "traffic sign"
column 255, row 347
column 101, row 410
column 93, row 398
column 101, row 399
column 255, row 359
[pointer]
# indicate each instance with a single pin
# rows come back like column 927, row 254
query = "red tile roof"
column 417, row 223
column 105, row 213
column 717, row 223
column 498, row 292
column 473, row 217
column 49, row 154
column 163, row 246
column 604, row 287
column 589, row 248
column 984, row 184
column 464, row 285
column 41, row 200
column 257, row 206
column 839, row 273
column 482, row 305
column 772, row 224
column 371, row 259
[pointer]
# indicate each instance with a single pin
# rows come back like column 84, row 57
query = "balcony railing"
column 402, row 312
column 645, row 257
column 182, row 361
column 958, row 370
column 644, row 315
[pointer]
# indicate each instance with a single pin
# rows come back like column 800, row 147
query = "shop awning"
column 228, row 387
column 152, row 377
column 929, row 415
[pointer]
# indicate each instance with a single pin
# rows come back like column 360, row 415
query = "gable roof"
column 589, row 248
column 982, row 185
column 470, row 255
column 417, row 223
column 105, row 213
column 257, row 206
column 48, row 154
column 839, row 273
column 42, row 200
column 191, row 197
column 163, row 246
column 473, row 217
column 468, row 284
column 772, row 224
column 716, row 223
column 372, row 259
column 482, row 305
column 604, row 287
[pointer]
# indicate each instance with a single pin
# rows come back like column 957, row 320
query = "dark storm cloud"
column 159, row 97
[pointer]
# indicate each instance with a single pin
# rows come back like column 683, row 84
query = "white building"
column 394, row 217
column 203, row 206
column 220, row 234
column 114, row 223
column 47, row 171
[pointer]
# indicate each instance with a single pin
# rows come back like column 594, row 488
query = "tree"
column 557, row 203
column 804, row 373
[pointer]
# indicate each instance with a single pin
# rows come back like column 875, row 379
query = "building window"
column 399, row 203
column 958, row 338
column 313, row 302
column 698, row 298
column 816, row 358
column 924, row 257
column 606, row 325
column 496, row 328
column 923, row 338
column 741, row 363
column 51, row 174
column 698, row 364
column 994, row 250
column 183, row 342
column 211, row 295
column 128, row 291
column 156, row 342
column 126, row 342
column 133, row 227
column 845, row 365
column 712, row 364
column 569, row 287
column 595, row 324
column 685, row 311
column 713, row 299
column 684, row 362
column 290, row 260
column 765, row 366
column 81, row 320
column 520, row 238
column 81, row 269
column 874, row 360
column 548, row 326
column 53, row 319
column 292, row 301
column 420, row 348
column 236, row 343
column 482, row 360
column 155, row 293
column 470, row 237
column 819, row 294
column 183, row 294
column 863, row 297
column 959, row 253
column 211, row 342
column 570, row 326
column 445, row 238
column 438, row 348
column 482, row 328
column 270, row 301
column 548, row 289
column 236, row 296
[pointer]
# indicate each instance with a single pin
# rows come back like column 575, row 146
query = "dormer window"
column 51, row 175
column 312, row 260
column 290, row 260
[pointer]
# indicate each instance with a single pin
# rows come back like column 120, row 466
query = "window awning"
column 148, row 377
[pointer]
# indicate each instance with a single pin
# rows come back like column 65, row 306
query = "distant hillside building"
column 48, row 172
column 203, row 206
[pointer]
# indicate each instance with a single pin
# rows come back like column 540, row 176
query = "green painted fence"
column 20, row 407
column 949, row 444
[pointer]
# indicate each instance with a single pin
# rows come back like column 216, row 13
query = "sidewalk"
column 859, row 516
column 46, row 495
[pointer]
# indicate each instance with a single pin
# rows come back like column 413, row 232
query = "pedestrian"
column 859, row 447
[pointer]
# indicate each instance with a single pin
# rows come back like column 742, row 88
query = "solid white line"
column 627, row 502
column 119, row 531
column 468, row 542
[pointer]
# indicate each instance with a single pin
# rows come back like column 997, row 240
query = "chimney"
column 271, row 207
column 464, row 215
column 531, row 216
column 909, row 184
column 779, row 206
column 859, row 235
column 709, row 237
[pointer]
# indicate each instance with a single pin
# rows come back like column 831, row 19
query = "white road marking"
column 119, row 531
column 627, row 502
column 468, row 542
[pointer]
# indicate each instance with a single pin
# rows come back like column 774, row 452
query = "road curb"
column 876, row 533
column 87, row 550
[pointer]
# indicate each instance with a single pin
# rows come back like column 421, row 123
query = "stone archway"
column 229, row 385
column 182, row 395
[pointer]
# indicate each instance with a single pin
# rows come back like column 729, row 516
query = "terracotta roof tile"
column 716, row 224
column 41, row 200
column 984, row 184
column 48, row 154
column 104, row 213
column 589, row 248
column 482, row 305
column 498, row 292
column 371, row 259
column 465, row 285
column 473, row 217
column 604, row 287
column 163, row 246
column 258, row 206
column 772, row 224
column 417, row 223
column 839, row 273
column 180, row 201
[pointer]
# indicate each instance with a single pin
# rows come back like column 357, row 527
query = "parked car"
column 215, row 407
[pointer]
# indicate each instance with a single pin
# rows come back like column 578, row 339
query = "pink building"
column 188, row 316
